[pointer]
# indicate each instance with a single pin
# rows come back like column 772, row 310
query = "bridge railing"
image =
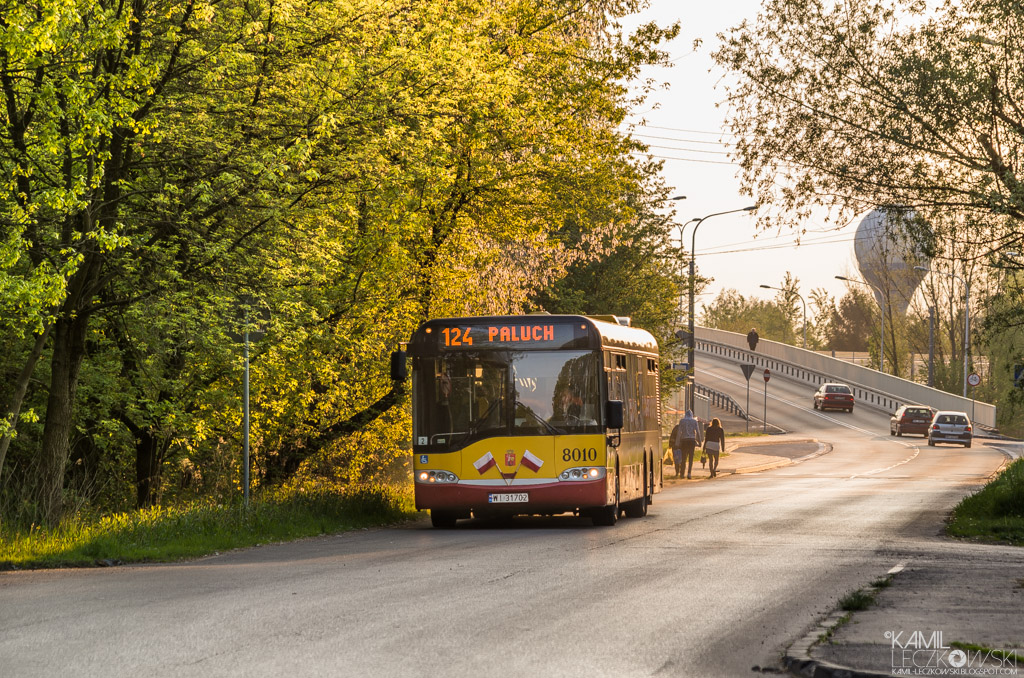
column 880, row 391
column 720, row 400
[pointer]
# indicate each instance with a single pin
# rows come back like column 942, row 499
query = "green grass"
column 161, row 534
column 996, row 512
column 855, row 601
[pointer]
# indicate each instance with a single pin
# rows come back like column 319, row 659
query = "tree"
column 733, row 312
column 854, row 321
column 855, row 104
column 352, row 169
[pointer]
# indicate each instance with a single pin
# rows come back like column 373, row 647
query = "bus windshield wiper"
column 547, row 427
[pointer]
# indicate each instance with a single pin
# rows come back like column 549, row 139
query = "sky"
column 685, row 127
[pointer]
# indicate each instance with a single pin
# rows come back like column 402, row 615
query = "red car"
column 911, row 419
column 834, row 397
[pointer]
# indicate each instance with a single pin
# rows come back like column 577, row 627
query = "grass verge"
column 996, row 512
column 855, row 601
column 162, row 534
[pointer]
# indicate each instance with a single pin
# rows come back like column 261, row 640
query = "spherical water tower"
column 887, row 254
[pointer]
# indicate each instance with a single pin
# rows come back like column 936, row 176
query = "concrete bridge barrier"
column 880, row 391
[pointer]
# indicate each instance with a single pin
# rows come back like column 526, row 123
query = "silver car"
column 950, row 427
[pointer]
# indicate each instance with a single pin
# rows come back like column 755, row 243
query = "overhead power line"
column 690, row 150
column 708, row 162
column 688, row 141
column 688, row 131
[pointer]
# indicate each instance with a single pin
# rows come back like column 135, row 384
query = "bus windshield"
column 467, row 395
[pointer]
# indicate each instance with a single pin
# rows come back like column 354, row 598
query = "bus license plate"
column 509, row 498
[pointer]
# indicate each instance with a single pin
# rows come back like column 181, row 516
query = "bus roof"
column 507, row 330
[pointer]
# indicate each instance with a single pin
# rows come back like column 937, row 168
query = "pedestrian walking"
column 752, row 338
column 689, row 437
column 714, row 443
column 677, row 452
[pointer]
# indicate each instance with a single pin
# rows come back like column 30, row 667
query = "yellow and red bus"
column 536, row 414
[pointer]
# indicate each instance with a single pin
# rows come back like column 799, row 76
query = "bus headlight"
column 436, row 477
column 582, row 473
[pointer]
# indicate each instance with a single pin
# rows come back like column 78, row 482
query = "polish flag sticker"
column 532, row 461
column 484, row 463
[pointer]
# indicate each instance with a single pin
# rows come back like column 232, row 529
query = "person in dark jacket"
column 714, row 444
column 677, row 452
column 688, row 439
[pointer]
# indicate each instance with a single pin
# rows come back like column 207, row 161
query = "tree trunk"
column 13, row 410
column 149, row 457
column 68, row 352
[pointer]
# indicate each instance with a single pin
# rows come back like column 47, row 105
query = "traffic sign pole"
column 767, row 376
column 748, row 370
column 974, row 379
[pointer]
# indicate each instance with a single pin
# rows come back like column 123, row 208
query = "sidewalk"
column 736, row 461
column 949, row 603
column 940, row 617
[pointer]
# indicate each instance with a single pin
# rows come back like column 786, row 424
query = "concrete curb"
column 763, row 467
column 798, row 659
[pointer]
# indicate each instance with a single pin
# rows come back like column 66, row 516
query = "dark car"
column 950, row 427
column 911, row 419
column 834, row 397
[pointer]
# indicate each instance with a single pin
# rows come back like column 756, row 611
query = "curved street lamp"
column 967, row 317
column 693, row 285
column 680, row 227
column 881, row 348
column 769, row 287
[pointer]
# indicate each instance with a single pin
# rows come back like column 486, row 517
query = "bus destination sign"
column 511, row 335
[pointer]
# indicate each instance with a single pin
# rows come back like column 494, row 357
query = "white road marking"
column 899, row 567
column 917, row 451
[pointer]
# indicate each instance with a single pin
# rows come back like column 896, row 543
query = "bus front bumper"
column 553, row 497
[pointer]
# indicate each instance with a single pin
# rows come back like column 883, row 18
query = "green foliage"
column 857, row 104
column 627, row 272
column 201, row 528
column 326, row 175
column 733, row 312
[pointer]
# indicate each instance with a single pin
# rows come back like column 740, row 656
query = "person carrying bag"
column 689, row 437
column 714, row 443
column 677, row 452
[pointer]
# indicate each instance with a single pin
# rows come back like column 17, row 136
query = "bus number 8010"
column 577, row 454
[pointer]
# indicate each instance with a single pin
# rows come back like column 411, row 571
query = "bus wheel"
column 444, row 520
column 638, row 507
column 606, row 516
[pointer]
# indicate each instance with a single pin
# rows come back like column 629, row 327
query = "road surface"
column 717, row 579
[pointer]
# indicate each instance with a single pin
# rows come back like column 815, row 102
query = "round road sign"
column 973, row 379
column 767, row 375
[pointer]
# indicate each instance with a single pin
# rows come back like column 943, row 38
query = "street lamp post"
column 881, row 351
column 680, row 227
column 679, row 310
column 967, row 317
column 804, row 301
column 693, row 285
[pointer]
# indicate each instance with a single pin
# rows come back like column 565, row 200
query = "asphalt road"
column 717, row 579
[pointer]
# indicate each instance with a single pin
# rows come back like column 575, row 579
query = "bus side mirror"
column 613, row 420
column 398, row 369
column 613, row 414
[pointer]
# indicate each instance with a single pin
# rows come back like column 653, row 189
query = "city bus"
column 537, row 414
